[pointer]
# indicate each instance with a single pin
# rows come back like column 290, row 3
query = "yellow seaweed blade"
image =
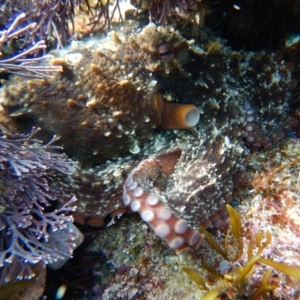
column 284, row 268
column 264, row 286
column 212, row 243
column 247, row 270
column 194, row 276
column 211, row 270
column 235, row 222
column 237, row 232
column 250, row 251
column 260, row 245
column 258, row 239
column 212, row 295
column 269, row 238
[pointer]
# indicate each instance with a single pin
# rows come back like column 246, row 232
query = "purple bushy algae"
column 46, row 20
column 34, row 211
column 19, row 63
column 28, row 28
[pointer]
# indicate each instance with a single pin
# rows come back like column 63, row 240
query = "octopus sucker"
column 136, row 194
column 110, row 109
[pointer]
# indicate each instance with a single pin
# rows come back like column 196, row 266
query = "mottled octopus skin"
column 103, row 104
column 243, row 97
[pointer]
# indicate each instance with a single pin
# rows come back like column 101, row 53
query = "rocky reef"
column 161, row 121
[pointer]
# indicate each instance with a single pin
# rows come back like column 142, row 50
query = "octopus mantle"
column 103, row 106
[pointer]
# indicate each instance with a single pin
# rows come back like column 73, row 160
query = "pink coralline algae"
column 32, row 227
column 175, row 179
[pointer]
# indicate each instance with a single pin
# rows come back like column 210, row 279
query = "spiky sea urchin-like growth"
column 34, row 212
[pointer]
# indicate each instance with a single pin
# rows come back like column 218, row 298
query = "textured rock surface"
column 243, row 98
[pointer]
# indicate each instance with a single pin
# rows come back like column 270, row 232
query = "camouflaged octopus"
column 116, row 106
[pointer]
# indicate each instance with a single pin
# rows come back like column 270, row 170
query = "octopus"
column 161, row 122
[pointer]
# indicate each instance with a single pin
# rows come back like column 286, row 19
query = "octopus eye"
column 165, row 51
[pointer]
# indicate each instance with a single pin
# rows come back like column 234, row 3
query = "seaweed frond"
column 233, row 281
column 264, row 287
